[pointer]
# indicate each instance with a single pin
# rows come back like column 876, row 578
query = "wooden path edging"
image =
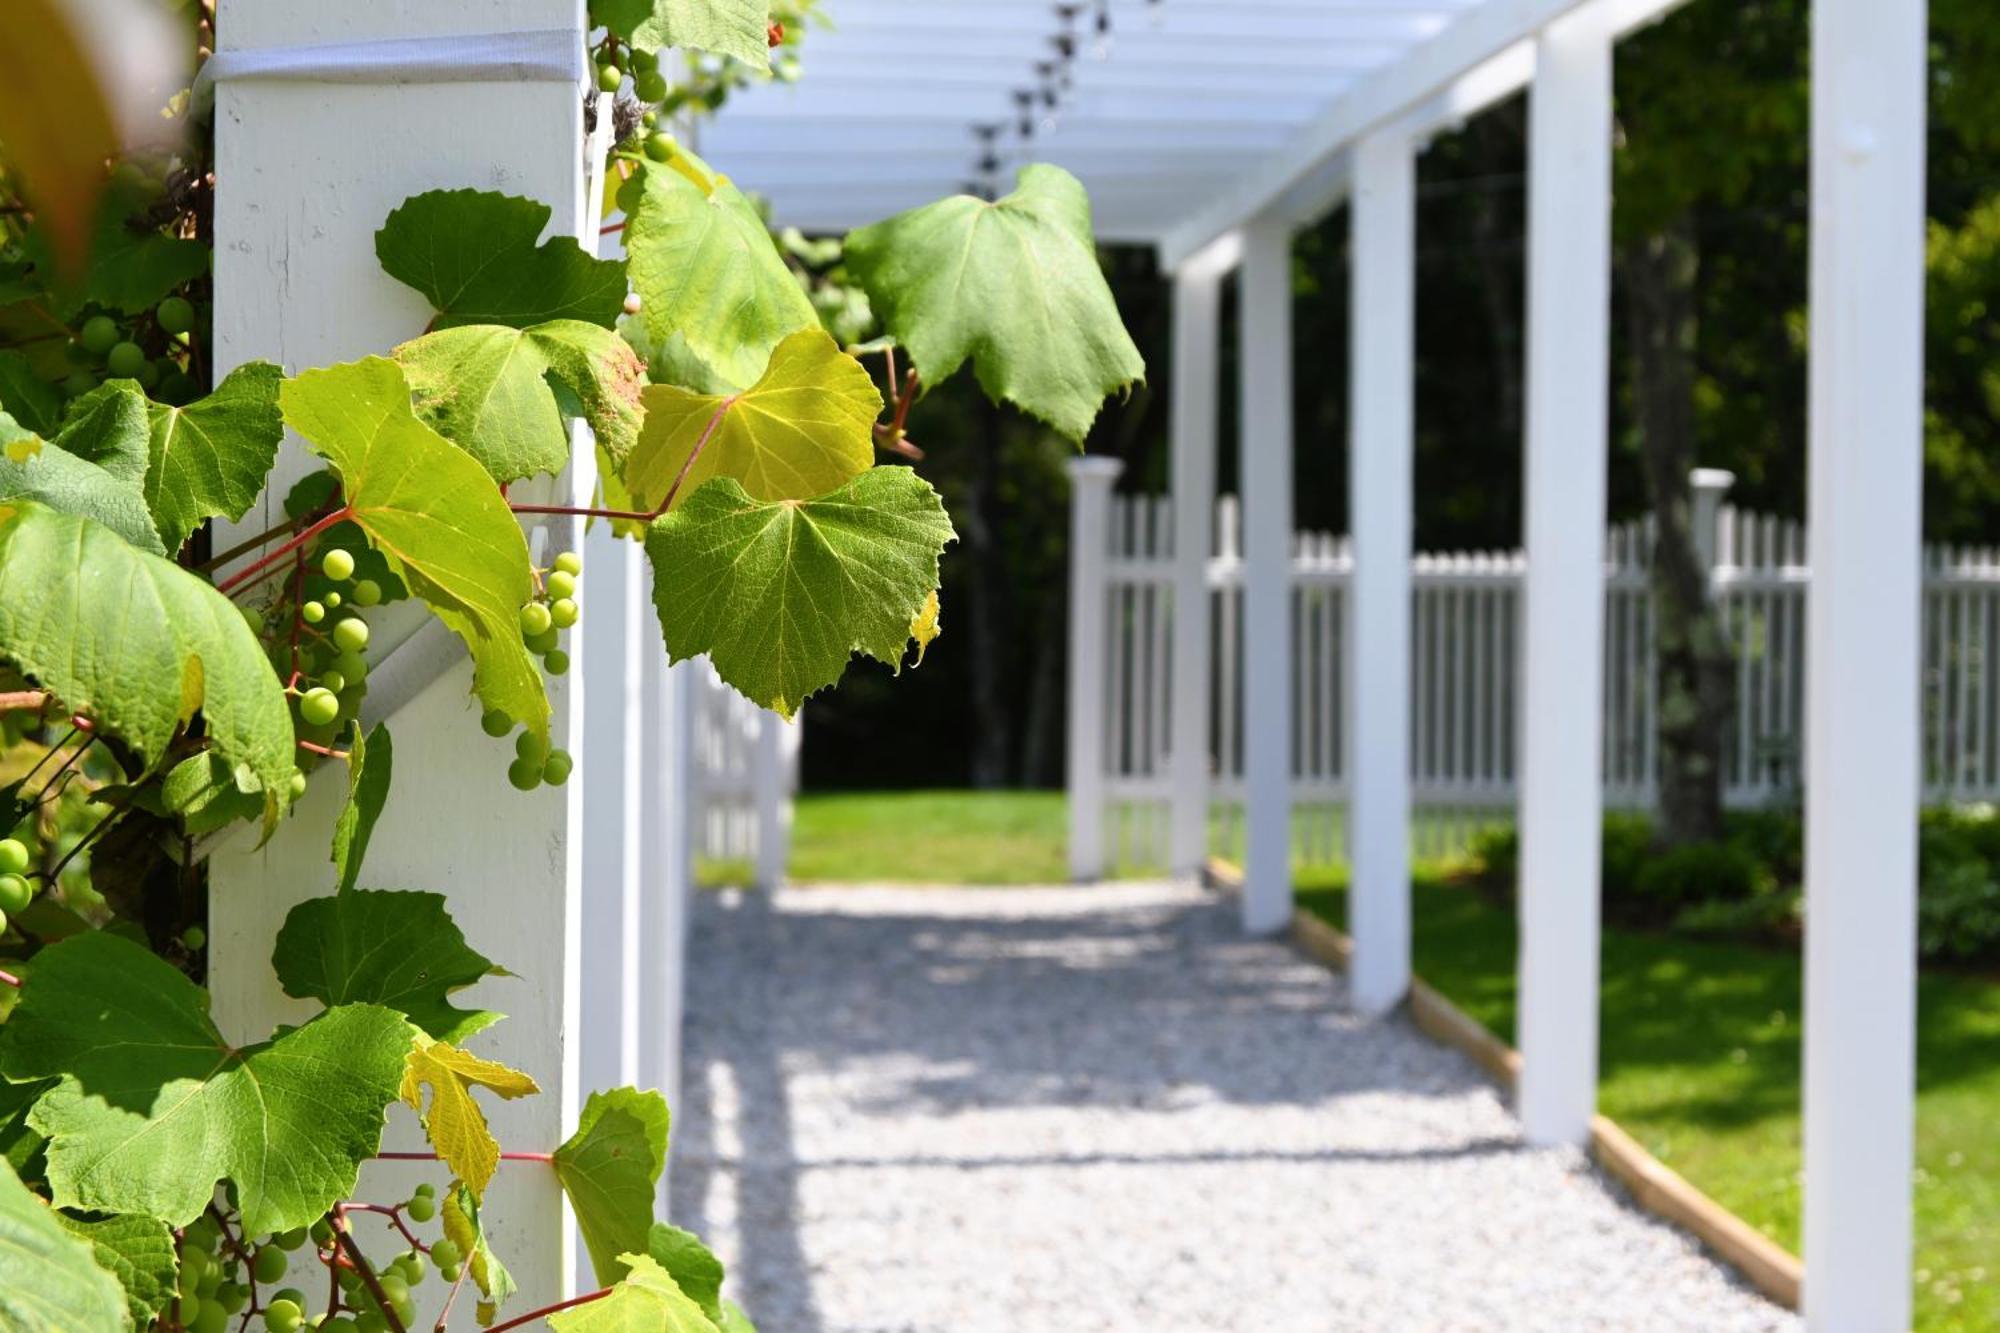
column 1653, row 1185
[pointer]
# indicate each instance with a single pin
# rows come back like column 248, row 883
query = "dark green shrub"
column 1771, row 914
column 1627, row 847
column 1958, row 886
column 1670, row 882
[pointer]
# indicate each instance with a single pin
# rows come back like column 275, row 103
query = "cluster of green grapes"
column 333, row 673
column 151, row 348
column 221, row 1278
column 707, row 80
column 552, row 610
column 16, row 889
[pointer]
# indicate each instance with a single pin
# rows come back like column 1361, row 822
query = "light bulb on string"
column 1100, row 45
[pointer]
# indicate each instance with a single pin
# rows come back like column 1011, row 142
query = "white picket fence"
column 744, row 774
column 1464, row 675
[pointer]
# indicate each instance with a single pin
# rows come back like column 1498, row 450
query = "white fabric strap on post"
column 553, row 55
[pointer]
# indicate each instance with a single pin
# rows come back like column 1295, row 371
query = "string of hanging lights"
column 1038, row 105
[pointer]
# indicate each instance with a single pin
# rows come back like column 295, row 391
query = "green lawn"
column 941, row 837
column 1700, row 1061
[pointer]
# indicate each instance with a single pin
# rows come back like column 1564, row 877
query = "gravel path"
column 1074, row 1110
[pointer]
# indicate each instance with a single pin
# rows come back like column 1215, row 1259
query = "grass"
column 940, row 837
column 1700, row 1061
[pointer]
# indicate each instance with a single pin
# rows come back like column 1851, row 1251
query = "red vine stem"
column 263, row 565
column 10, row 979
column 395, row 1216
column 451, row 1297
column 546, row 1310
column 345, row 1242
column 321, row 749
column 637, row 516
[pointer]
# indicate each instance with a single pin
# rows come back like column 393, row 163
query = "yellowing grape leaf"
column 926, row 627
column 1014, row 286
column 139, row 644
column 434, row 514
column 780, row 593
column 152, row 1108
column 50, row 1281
column 736, row 28
column 609, row 1167
column 489, row 390
column 708, row 276
column 802, row 429
column 478, row 257
column 458, row 1216
column 648, row 1300
column 454, row 1122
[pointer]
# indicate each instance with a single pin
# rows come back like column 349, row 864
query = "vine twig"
column 263, row 565
column 546, row 1310
column 346, row 1243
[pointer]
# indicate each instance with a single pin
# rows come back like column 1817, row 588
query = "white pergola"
column 1213, row 131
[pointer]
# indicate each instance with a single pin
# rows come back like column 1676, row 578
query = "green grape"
column 449, row 1272
column 13, row 856
column 175, row 314
column 282, row 1316
column 569, row 562
column 650, row 86
column 412, row 1264
column 426, row 1189
column 194, row 938
column 337, row 564
column 312, row 613
column 332, row 600
column 3, row 915
column 321, row 1233
column 177, row 387
column 643, row 61
column 332, row 680
column 269, row 1264
column 195, row 1260
column 393, row 1287
column 556, row 661
column 495, row 723
column 202, row 1233
column 254, row 619
column 290, row 1240
column 445, row 1255
column 546, row 641
column 99, row 334
column 556, row 768
column 534, row 620
column 367, row 592
column 292, row 1294
column 339, row 1324
column 421, row 1208
column 528, row 745
column 525, row 774
column 351, row 634
column 353, row 667
column 79, row 382
column 561, row 584
column 298, row 785
column 212, row 1319
column 148, row 374
column 609, row 77
column 15, row 893
column 319, row 706
column 124, row 359
column 232, row 1297
column 661, row 147
column 649, row 117
column 406, row 1311
column 563, row 612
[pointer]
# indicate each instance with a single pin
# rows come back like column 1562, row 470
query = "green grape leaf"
column 133, row 267
column 209, row 459
column 802, row 429
column 475, row 256
column 734, row 1320
column 645, row 1301
column 609, row 1168
column 692, row 1265
column 139, row 1252
column 400, row 950
column 33, row 469
column 50, row 1281
column 780, row 593
column 27, row 397
column 138, row 644
column 370, row 761
column 458, row 1216
column 153, row 1108
column 20, row 1145
column 434, row 513
column 1015, row 286
column 736, row 28
column 109, row 426
column 487, row 388
column 707, row 273
column 203, row 792
column 453, row 1121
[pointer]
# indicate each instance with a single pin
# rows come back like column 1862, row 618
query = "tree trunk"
column 979, row 524
column 1696, row 670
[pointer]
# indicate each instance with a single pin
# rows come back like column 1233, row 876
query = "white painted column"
column 1197, row 328
column 1091, row 480
column 771, row 785
column 1864, row 514
column 1266, row 468
column 1569, row 304
column 1380, row 466
column 306, row 173
column 669, row 880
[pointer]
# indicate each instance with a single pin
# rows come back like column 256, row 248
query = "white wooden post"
column 1266, row 468
column 1197, row 326
column 1710, row 485
column 770, row 779
column 1380, row 456
column 1569, row 237
column 669, row 882
column 1091, row 480
column 306, row 172
column 1864, row 514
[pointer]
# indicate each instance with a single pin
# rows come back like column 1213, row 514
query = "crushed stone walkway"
column 1074, row 1110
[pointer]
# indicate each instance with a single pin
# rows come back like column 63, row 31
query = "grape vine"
column 747, row 428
